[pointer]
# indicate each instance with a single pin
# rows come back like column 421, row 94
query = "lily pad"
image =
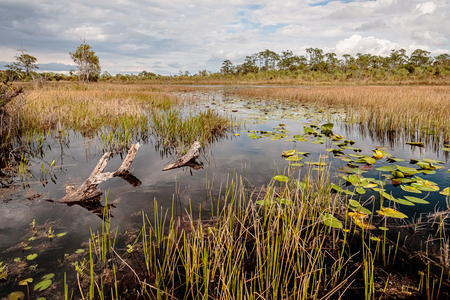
column 17, row 295
column 433, row 161
column 407, row 170
column 330, row 220
column 288, row 153
column 392, row 213
column 445, row 192
column 296, row 164
column 294, row 158
column 416, row 200
column 48, row 276
column 386, row 169
column 280, row 178
column 410, row 189
column 393, row 159
column 26, row 281
column 43, row 285
column 363, row 224
column 404, row 202
column 32, row 256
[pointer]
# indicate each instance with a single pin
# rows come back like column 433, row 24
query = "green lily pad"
column 370, row 160
column 407, row 170
column 280, row 178
column 445, row 192
column 392, row 213
column 296, row 164
column 288, row 153
column 337, row 188
column 331, row 221
column 360, row 190
column 433, row 161
column 410, row 189
column 386, row 169
column 43, row 285
column 32, row 256
column 404, row 202
column 26, row 281
column 48, row 276
column 393, row 159
column 17, row 295
column 416, row 200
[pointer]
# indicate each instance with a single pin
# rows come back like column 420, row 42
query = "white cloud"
column 426, row 8
column 357, row 44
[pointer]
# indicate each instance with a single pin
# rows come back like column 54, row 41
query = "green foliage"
column 87, row 62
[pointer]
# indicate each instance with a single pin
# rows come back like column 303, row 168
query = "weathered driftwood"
column 88, row 189
column 186, row 159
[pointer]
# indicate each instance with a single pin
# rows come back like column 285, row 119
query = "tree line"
column 318, row 61
column 315, row 65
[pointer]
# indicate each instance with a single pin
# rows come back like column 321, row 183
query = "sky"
column 164, row 37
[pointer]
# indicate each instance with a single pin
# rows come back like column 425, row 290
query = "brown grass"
column 92, row 106
column 411, row 109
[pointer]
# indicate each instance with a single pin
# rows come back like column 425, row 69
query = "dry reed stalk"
column 409, row 109
column 92, row 106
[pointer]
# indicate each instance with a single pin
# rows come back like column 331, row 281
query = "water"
column 35, row 195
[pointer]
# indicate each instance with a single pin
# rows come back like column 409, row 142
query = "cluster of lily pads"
column 38, row 232
column 407, row 177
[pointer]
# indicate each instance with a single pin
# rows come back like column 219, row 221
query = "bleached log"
column 192, row 154
column 88, row 189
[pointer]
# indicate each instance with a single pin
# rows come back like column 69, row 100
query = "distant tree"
column 331, row 61
column 420, row 58
column 268, row 59
column 397, row 58
column 87, row 62
column 287, row 60
column 13, row 72
column 442, row 59
column 25, row 61
column 227, row 67
column 315, row 58
column 363, row 61
column 249, row 65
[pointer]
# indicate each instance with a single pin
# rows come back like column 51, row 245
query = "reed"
column 178, row 131
column 272, row 243
column 413, row 110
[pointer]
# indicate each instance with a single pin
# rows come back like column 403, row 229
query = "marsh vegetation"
column 295, row 200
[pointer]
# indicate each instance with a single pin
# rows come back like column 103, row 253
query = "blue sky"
column 167, row 36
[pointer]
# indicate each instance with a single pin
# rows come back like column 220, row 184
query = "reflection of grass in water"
column 179, row 132
column 277, row 248
column 410, row 110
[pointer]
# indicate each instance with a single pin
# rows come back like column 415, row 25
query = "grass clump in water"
column 178, row 131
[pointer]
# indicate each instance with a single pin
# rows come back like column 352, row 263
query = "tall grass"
column 177, row 130
column 277, row 247
column 414, row 111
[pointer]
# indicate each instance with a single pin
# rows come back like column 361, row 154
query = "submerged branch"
column 187, row 159
column 88, row 189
